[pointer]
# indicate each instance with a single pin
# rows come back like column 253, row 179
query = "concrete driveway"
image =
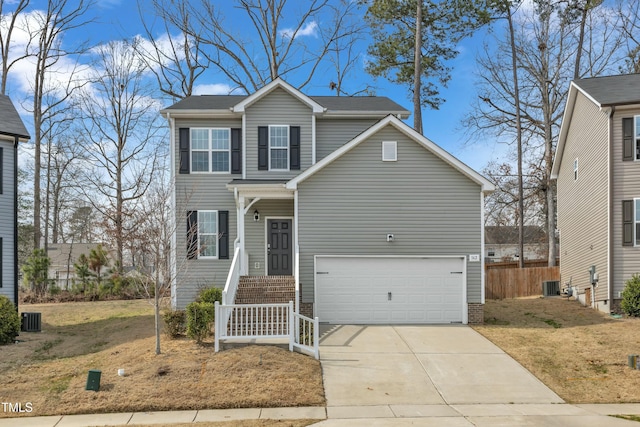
column 434, row 375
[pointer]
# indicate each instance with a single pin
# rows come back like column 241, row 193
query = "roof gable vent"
column 389, row 151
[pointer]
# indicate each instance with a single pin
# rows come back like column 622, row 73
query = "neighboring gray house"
column 12, row 131
column 597, row 168
column 501, row 243
column 336, row 195
column 63, row 256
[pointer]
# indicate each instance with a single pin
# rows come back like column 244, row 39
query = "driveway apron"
column 422, row 365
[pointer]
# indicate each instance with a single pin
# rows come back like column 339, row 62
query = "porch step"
column 265, row 290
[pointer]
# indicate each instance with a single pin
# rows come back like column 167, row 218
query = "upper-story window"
column 278, row 147
column 210, row 150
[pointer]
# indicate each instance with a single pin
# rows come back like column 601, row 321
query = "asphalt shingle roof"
column 10, row 121
column 612, row 90
column 331, row 103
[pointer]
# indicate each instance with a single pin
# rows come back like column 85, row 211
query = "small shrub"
column 210, row 295
column 631, row 296
column 175, row 323
column 9, row 321
column 200, row 316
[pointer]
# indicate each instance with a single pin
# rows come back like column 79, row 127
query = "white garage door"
column 364, row 290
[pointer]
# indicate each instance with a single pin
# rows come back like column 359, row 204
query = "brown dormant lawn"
column 49, row 369
column 579, row 353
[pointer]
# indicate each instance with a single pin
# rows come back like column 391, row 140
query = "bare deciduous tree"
column 121, row 126
column 8, row 20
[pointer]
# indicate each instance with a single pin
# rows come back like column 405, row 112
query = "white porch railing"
column 246, row 322
column 233, row 278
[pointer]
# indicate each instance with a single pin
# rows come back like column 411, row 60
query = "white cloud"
column 309, row 29
column 213, row 89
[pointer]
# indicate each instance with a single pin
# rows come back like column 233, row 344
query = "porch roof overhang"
column 261, row 188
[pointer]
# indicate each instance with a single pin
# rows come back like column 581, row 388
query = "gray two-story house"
column 597, row 168
column 12, row 131
column 336, row 196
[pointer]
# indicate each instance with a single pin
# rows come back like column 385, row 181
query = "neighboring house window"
column 491, row 252
column 210, row 150
column 631, row 138
column 631, row 222
column 207, row 234
column 575, row 170
column 279, row 147
column 389, row 151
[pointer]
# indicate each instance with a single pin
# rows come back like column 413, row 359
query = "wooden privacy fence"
column 517, row 282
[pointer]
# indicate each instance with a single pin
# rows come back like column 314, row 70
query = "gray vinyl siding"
column 255, row 232
column 277, row 108
column 583, row 204
column 626, row 186
column 332, row 134
column 7, row 221
column 201, row 191
column 348, row 208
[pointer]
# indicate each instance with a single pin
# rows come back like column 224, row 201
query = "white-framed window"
column 575, row 169
column 279, row 147
column 211, row 150
column 208, row 234
column 389, row 151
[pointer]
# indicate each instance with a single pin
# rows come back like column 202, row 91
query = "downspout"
column 482, row 269
column 15, row 221
column 609, row 229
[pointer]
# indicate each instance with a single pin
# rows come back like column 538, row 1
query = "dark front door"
column 279, row 253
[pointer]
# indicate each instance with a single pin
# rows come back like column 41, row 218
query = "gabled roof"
column 390, row 120
column 278, row 83
column 10, row 122
column 611, row 90
column 604, row 92
column 219, row 105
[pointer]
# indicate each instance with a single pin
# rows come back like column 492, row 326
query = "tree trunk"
column 417, row 73
column 516, row 92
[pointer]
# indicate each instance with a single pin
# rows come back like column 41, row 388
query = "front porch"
column 261, row 297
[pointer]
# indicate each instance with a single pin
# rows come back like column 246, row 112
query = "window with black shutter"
column 294, row 151
column 263, row 148
column 627, row 223
column 236, row 151
column 192, row 234
column 223, row 234
column 627, row 139
column 183, row 134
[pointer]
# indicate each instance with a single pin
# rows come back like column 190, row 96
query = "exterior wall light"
column 256, row 216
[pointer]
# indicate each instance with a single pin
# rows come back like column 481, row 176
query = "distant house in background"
column 597, row 168
column 12, row 131
column 501, row 243
column 63, row 256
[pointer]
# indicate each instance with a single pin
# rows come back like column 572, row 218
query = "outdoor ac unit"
column 31, row 322
column 550, row 288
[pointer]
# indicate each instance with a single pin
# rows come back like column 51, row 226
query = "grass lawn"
column 579, row 353
column 49, row 369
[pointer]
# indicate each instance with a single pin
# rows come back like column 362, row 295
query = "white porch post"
column 243, row 266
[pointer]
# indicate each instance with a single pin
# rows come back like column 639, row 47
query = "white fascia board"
column 486, row 185
column 365, row 114
column 278, row 83
column 265, row 191
column 564, row 130
column 205, row 114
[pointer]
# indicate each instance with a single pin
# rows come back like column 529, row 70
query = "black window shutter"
column 223, row 233
column 236, row 150
column 192, row 234
column 627, row 223
column 627, row 139
column 294, row 148
column 184, row 150
column 263, row 148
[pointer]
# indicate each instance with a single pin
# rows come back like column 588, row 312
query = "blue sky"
column 118, row 19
